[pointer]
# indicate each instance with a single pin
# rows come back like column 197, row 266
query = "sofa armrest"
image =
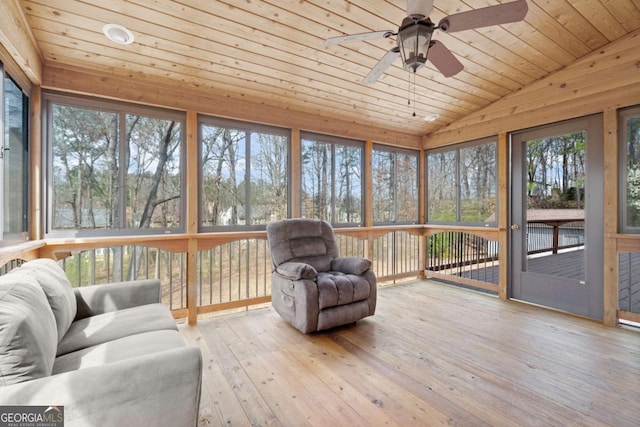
column 160, row 389
column 98, row 299
column 296, row 270
column 351, row 265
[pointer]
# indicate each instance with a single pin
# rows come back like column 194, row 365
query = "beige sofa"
column 111, row 355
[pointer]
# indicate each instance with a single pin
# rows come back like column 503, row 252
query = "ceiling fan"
column 414, row 42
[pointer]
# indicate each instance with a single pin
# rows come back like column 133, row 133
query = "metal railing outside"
column 628, row 282
column 463, row 255
column 540, row 237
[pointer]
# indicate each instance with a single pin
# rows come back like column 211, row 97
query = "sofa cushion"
column 119, row 349
column 112, row 325
column 336, row 288
column 28, row 336
column 57, row 288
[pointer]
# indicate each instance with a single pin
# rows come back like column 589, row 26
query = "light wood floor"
column 432, row 355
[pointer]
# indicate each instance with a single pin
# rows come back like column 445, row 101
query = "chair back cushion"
column 310, row 241
column 28, row 336
column 56, row 286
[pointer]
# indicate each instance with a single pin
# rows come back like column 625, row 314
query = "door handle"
column 515, row 227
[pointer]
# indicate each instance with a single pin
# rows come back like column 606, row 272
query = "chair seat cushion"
column 112, row 325
column 336, row 288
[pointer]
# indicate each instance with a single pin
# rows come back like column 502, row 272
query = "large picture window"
column 395, row 185
column 244, row 177
column 630, row 168
column 14, row 159
column 113, row 167
column 331, row 179
column 461, row 184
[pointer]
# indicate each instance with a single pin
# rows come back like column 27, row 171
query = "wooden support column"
column 296, row 177
column 611, row 209
column 368, row 196
column 35, row 164
column 192, row 166
column 422, row 214
column 503, row 215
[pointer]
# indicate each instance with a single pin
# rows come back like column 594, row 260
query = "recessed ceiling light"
column 431, row 118
column 118, row 34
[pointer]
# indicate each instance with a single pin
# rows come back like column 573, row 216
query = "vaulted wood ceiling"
column 272, row 52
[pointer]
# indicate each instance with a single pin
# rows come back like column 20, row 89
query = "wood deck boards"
column 432, row 355
column 571, row 265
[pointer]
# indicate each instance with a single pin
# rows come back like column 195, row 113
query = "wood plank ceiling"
column 272, row 51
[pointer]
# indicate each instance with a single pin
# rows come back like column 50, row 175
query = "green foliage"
column 556, row 171
column 441, row 245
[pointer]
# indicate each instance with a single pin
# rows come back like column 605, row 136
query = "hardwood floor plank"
column 432, row 355
column 218, row 403
column 245, row 391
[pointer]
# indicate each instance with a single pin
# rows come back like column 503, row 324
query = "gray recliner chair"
column 313, row 288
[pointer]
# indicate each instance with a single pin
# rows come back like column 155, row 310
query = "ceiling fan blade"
column 419, row 8
column 493, row 15
column 443, row 59
column 332, row 41
column 382, row 65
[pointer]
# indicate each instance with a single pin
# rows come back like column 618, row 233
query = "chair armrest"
column 98, row 299
column 160, row 389
column 351, row 265
column 296, row 270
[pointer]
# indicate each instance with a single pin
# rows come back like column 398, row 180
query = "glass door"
column 557, row 217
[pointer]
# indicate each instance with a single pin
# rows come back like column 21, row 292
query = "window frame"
column 395, row 151
column 51, row 98
column 457, row 148
column 346, row 142
column 204, row 119
column 623, row 116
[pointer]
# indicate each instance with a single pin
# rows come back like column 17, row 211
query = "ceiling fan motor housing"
column 414, row 37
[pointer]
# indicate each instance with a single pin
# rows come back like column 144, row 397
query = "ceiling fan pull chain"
column 409, row 90
column 414, row 93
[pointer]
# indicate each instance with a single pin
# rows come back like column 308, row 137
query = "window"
column 395, row 185
column 244, row 171
column 331, row 179
column 630, row 170
column 14, row 158
column 461, row 184
column 113, row 167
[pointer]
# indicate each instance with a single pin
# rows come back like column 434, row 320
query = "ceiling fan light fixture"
column 414, row 38
column 118, row 34
column 431, row 117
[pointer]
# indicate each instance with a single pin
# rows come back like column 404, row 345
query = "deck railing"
column 234, row 269
column 628, row 282
column 542, row 237
column 231, row 270
column 463, row 258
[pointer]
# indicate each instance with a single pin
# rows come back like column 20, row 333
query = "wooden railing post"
column 422, row 215
column 503, row 215
column 611, row 206
column 192, row 217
